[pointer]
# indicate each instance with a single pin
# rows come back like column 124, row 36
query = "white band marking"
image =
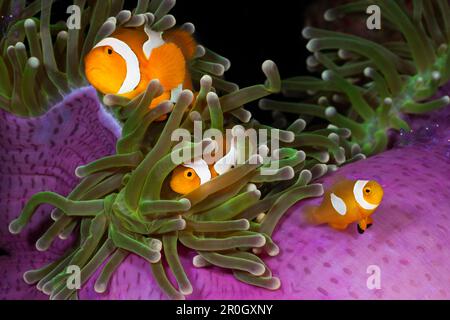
column 133, row 76
column 358, row 192
column 338, row 204
column 154, row 41
column 201, row 169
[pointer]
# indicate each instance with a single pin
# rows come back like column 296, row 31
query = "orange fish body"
column 125, row 63
column 347, row 202
column 188, row 177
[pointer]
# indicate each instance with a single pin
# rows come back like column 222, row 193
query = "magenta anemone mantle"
column 41, row 154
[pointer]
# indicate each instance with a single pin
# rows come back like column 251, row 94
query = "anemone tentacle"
column 369, row 87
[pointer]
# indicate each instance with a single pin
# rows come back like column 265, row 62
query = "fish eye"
column 367, row 191
column 109, row 50
column 189, row 174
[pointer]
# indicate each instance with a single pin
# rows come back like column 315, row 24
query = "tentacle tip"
column 368, row 72
column 100, row 287
column 388, row 101
column 186, row 289
column 275, row 284
column 200, row 51
column 261, row 242
column 307, row 32
column 263, row 104
column 436, row 75
column 257, row 193
column 301, row 155
column 186, row 97
column 20, row 46
column 33, row 62
column 327, row 75
column 155, row 258
column 226, row 64
column 312, row 45
column 41, row 245
column 289, row 173
column 15, row 227
column 199, row 262
column 274, row 251
column 29, row 23
column 63, row 236
column 79, row 172
column 289, row 137
column 270, row 69
column 28, row 277
column 212, row 98
column 47, row 288
column 329, row 15
column 258, row 270
column 330, row 112
column 185, row 203
column 320, row 190
column 206, row 82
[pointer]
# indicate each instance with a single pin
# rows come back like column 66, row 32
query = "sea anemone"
column 123, row 205
column 123, row 208
column 368, row 87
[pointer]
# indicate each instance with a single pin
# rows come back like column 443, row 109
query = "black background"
column 248, row 32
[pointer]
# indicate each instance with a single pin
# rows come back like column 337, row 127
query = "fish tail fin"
column 308, row 215
column 182, row 39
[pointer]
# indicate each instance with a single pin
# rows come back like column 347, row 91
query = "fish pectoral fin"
column 360, row 230
column 362, row 226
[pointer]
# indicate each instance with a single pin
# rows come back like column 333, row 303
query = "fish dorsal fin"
column 133, row 76
column 338, row 204
column 358, row 192
column 167, row 64
column 183, row 40
column 155, row 40
column 201, row 169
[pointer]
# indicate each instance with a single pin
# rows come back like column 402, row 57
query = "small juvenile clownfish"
column 346, row 202
column 188, row 177
column 125, row 62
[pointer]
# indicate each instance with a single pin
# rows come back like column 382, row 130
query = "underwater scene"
column 224, row 150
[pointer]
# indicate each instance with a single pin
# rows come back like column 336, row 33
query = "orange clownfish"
column 346, row 202
column 125, row 62
column 188, row 177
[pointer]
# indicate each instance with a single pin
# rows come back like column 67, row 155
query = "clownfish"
column 188, row 177
column 347, row 202
column 125, row 62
